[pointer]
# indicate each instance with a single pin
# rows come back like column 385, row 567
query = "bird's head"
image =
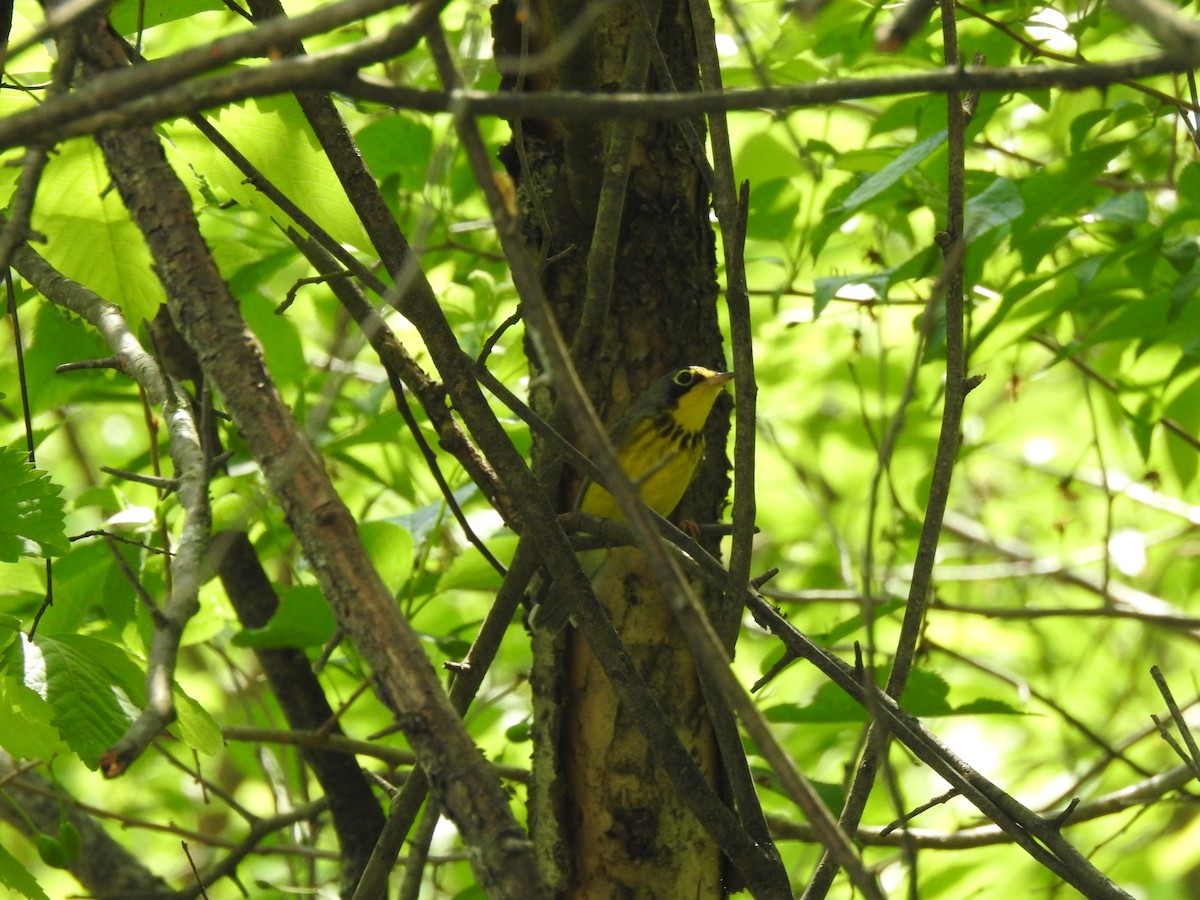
column 687, row 395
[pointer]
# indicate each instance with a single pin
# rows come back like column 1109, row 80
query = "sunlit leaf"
column 1129, row 208
column 127, row 15
column 31, row 510
column 997, row 206
column 274, row 135
column 93, row 688
column 391, row 549
column 89, row 235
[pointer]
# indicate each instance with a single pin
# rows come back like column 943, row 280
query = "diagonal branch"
column 192, row 471
column 208, row 315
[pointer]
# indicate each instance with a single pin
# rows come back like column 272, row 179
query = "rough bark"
column 604, row 819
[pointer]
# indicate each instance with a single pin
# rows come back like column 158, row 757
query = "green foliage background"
column 1066, row 570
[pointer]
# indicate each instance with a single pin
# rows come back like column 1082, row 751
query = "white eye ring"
column 684, row 377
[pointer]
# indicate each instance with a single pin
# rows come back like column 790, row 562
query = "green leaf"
column 774, row 206
column 1142, row 423
column 1187, row 187
column 849, row 626
column 1129, row 208
column 278, row 334
column 1184, row 408
column 31, row 511
column 1183, row 292
column 93, row 688
column 195, row 727
column 25, row 729
column 1061, row 188
column 68, row 838
column 89, row 587
column 16, row 877
column 391, row 549
column 831, row 219
column 876, row 184
column 471, row 572
column 452, row 646
column 1082, row 125
column 238, row 502
column 830, row 705
column 421, row 522
column 998, row 205
column 767, row 157
column 93, row 691
column 833, row 795
column 825, row 290
column 1086, row 270
column 1021, row 310
column 905, row 112
column 987, row 706
column 520, row 733
column 274, row 135
column 50, row 850
column 926, row 694
column 1135, row 318
column 1035, row 244
column 1181, row 251
column 89, row 235
column 60, row 337
column 398, row 144
column 303, row 619
column 124, row 13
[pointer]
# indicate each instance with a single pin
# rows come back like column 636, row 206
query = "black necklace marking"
column 666, row 426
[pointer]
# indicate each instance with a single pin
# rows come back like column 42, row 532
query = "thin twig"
column 192, row 470
column 610, row 206
column 731, row 205
column 1192, row 757
column 943, row 467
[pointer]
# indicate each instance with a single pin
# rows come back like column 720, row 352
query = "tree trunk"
column 626, row 201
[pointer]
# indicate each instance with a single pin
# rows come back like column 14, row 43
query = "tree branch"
column 357, row 817
column 192, row 473
column 1150, row 790
column 57, row 120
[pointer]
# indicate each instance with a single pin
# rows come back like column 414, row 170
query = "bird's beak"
column 719, row 379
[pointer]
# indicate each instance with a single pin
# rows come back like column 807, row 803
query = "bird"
column 659, row 443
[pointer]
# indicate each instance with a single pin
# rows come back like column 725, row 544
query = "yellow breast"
column 660, row 457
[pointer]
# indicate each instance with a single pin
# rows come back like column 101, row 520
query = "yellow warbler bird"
column 658, row 443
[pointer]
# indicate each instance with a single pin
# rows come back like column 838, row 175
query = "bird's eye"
column 684, row 377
